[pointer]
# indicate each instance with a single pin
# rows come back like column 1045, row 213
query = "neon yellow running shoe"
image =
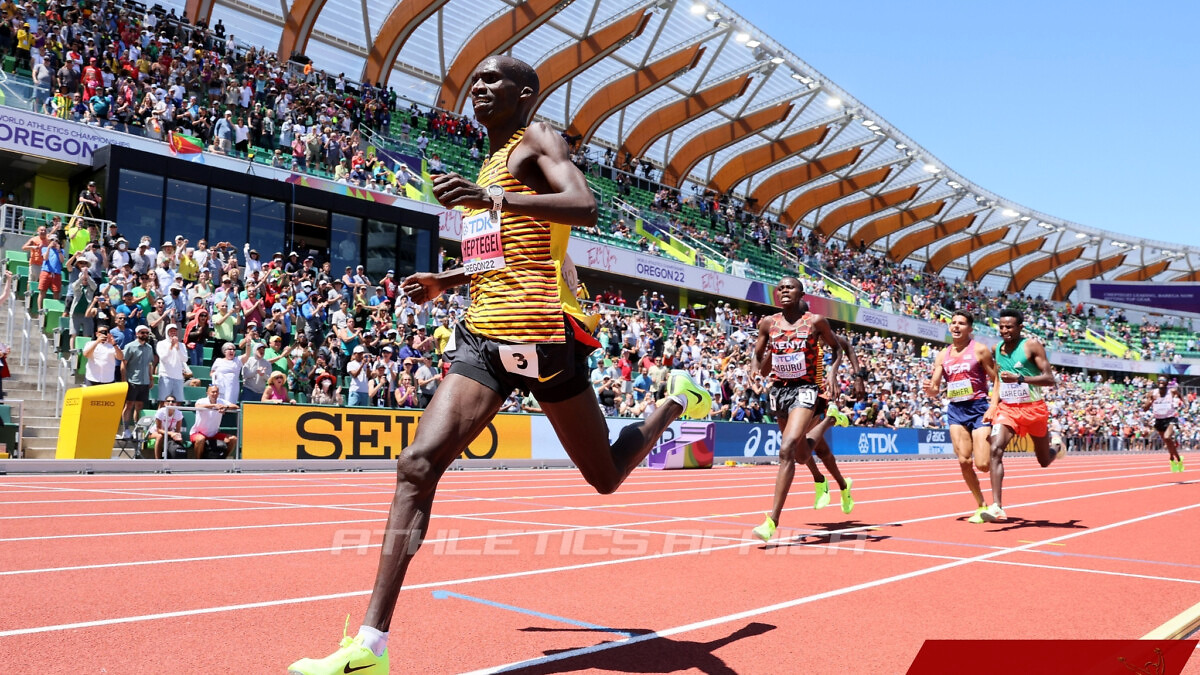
column 822, row 499
column 978, row 517
column 699, row 400
column 766, row 530
column 847, row 500
column 838, row 416
column 351, row 657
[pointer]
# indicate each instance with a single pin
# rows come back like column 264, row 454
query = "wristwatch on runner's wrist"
column 1020, row 379
column 496, row 192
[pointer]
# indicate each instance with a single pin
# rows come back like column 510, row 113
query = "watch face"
column 495, row 191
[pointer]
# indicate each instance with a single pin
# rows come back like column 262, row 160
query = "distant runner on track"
column 967, row 367
column 1165, row 404
column 1017, row 406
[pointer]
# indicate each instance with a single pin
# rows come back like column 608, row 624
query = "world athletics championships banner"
column 872, row 318
column 596, row 256
column 43, row 136
column 1182, row 299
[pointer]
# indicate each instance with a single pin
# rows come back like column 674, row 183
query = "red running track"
column 244, row 573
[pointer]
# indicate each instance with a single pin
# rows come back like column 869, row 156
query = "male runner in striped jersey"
column 793, row 363
column 1164, row 403
column 1017, row 405
column 967, row 367
column 523, row 329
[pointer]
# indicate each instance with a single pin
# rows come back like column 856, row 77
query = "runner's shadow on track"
column 656, row 655
column 1022, row 523
column 833, row 533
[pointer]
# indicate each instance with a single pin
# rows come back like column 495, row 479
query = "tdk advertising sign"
column 762, row 440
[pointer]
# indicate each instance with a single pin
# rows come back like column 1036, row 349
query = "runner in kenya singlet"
column 524, row 298
column 795, row 352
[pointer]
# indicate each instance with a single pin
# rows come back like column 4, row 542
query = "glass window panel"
column 382, row 253
column 139, row 206
column 267, row 218
column 187, row 205
column 227, row 217
column 346, row 248
column 310, row 232
column 413, row 254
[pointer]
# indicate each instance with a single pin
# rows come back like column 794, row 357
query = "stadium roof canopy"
column 717, row 102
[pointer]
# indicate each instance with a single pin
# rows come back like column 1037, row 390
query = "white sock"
column 681, row 399
column 373, row 639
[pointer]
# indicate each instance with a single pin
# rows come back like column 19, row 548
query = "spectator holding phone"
column 102, row 355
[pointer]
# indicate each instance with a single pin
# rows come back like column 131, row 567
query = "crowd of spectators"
column 283, row 329
column 286, row 329
column 105, row 63
column 877, row 280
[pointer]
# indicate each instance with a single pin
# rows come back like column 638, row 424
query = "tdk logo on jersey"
column 877, row 444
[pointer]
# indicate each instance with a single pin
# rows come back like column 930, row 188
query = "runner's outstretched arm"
column 563, row 195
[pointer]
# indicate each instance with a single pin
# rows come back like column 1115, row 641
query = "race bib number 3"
column 520, row 359
column 789, row 366
column 959, row 390
column 481, row 246
column 1015, row 392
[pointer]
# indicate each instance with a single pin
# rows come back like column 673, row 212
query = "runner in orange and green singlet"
column 1017, row 406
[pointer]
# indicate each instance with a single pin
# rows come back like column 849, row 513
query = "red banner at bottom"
column 1060, row 657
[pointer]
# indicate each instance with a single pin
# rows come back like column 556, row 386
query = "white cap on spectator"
column 360, row 349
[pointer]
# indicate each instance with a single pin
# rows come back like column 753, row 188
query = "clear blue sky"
column 1085, row 111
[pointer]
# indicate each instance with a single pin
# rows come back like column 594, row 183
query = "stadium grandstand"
column 251, row 361
column 261, row 179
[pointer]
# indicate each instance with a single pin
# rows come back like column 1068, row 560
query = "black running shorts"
column 552, row 372
column 785, row 398
column 1163, row 423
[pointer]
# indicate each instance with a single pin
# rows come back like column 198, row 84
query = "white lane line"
column 256, row 499
column 794, row 494
column 535, row 572
column 485, row 515
column 796, row 602
column 247, row 499
column 1015, row 563
column 189, row 530
column 930, row 469
column 554, row 528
